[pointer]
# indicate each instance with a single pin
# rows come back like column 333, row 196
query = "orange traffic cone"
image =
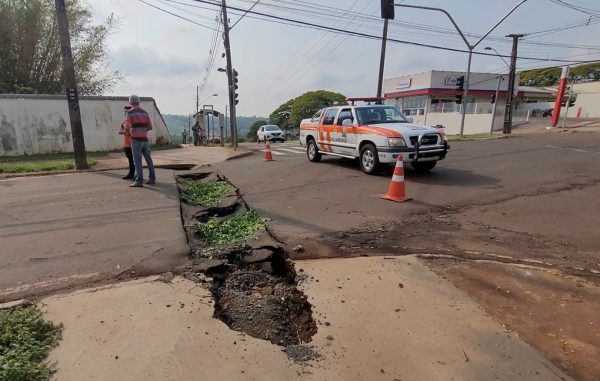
column 396, row 191
column 268, row 156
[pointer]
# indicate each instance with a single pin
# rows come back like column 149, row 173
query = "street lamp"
column 469, row 46
column 210, row 96
column 498, row 54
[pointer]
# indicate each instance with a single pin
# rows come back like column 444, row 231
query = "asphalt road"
column 58, row 231
column 319, row 199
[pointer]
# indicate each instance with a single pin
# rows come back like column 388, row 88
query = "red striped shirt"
column 140, row 123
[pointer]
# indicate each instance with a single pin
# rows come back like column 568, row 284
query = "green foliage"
column 231, row 229
column 291, row 113
column 209, row 193
column 251, row 135
column 549, row 76
column 41, row 163
column 30, row 48
column 25, row 341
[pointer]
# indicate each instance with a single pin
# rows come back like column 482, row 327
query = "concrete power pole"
column 71, row 86
column 382, row 58
column 511, row 84
column 232, row 117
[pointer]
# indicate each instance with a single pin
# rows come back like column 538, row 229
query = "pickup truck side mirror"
column 347, row 122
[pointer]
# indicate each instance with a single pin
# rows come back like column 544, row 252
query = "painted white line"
column 299, row 149
column 277, row 153
column 289, row 150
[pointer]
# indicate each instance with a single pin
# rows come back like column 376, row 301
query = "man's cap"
column 134, row 99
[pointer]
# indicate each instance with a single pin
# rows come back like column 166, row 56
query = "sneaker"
column 136, row 185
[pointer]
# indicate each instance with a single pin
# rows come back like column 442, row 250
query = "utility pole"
column 511, row 84
column 567, row 104
column 71, row 86
column 382, row 59
column 232, row 117
column 500, row 79
column 197, row 99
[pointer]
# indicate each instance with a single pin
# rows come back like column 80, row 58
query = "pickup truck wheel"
column 423, row 166
column 369, row 159
column 312, row 151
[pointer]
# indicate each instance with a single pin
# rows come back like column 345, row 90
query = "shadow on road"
column 452, row 177
column 168, row 189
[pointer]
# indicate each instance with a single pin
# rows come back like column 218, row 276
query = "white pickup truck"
column 373, row 133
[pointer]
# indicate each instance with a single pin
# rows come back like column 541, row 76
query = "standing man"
column 184, row 134
column 196, row 132
column 127, row 147
column 138, row 123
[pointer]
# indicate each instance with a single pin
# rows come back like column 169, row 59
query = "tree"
column 294, row 110
column 30, row 48
column 251, row 135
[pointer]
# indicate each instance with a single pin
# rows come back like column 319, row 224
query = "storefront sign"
column 450, row 80
column 403, row 83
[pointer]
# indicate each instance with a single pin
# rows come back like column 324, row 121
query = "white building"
column 39, row 124
column 587, row 104
column 430, row 98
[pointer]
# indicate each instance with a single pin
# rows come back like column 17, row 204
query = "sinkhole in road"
column 252, row 279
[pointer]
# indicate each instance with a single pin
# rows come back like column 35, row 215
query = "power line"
column 365, row 35
column 176, row 15
column 245, row 13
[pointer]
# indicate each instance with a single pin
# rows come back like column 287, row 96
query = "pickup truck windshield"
column 379, row 114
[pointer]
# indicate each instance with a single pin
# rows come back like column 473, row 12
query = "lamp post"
column 469, row 46
column 500, row 79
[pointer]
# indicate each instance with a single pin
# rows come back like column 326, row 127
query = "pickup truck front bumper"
column 413, row 154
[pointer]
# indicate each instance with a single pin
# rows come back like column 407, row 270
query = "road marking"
column 289, row 150
column 277, row 153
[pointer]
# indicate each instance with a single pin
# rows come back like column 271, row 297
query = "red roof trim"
column 432, row 91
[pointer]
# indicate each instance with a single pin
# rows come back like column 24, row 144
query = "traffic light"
column 493, row 99
column 387, row 9
column 235, row 86
column 460, row 83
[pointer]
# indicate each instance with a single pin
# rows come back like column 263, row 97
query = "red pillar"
column 560, row 93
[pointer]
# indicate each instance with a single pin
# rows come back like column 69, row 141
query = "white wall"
column 38, row 124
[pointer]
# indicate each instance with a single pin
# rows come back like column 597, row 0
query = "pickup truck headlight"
column 396, row 142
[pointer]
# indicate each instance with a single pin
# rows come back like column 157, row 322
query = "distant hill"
column 176, row 124
column 549, row 76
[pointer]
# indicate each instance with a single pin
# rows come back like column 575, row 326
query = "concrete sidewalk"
column 60, row 230
column 378, row 319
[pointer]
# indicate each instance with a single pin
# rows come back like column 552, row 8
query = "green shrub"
column 25, row 341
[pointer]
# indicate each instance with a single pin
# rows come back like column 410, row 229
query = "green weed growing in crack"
column 209, row 193
column 232, row 229
column 25, row 341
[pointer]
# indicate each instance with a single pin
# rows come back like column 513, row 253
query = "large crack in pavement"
column 253, row 280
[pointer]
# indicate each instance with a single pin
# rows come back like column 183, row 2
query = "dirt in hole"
column 253, row 281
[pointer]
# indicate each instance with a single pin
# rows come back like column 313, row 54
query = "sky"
column 166, row 57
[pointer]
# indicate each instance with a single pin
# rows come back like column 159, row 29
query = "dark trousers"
column 129, row 155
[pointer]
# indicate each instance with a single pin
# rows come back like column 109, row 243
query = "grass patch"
column 208, row 193
column 25, row 341
column 40, row 163
column 231, row 229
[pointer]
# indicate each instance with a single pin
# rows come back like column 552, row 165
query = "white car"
column 270, row 132
column 373, row 133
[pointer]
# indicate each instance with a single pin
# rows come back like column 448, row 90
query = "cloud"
column 146, row 61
